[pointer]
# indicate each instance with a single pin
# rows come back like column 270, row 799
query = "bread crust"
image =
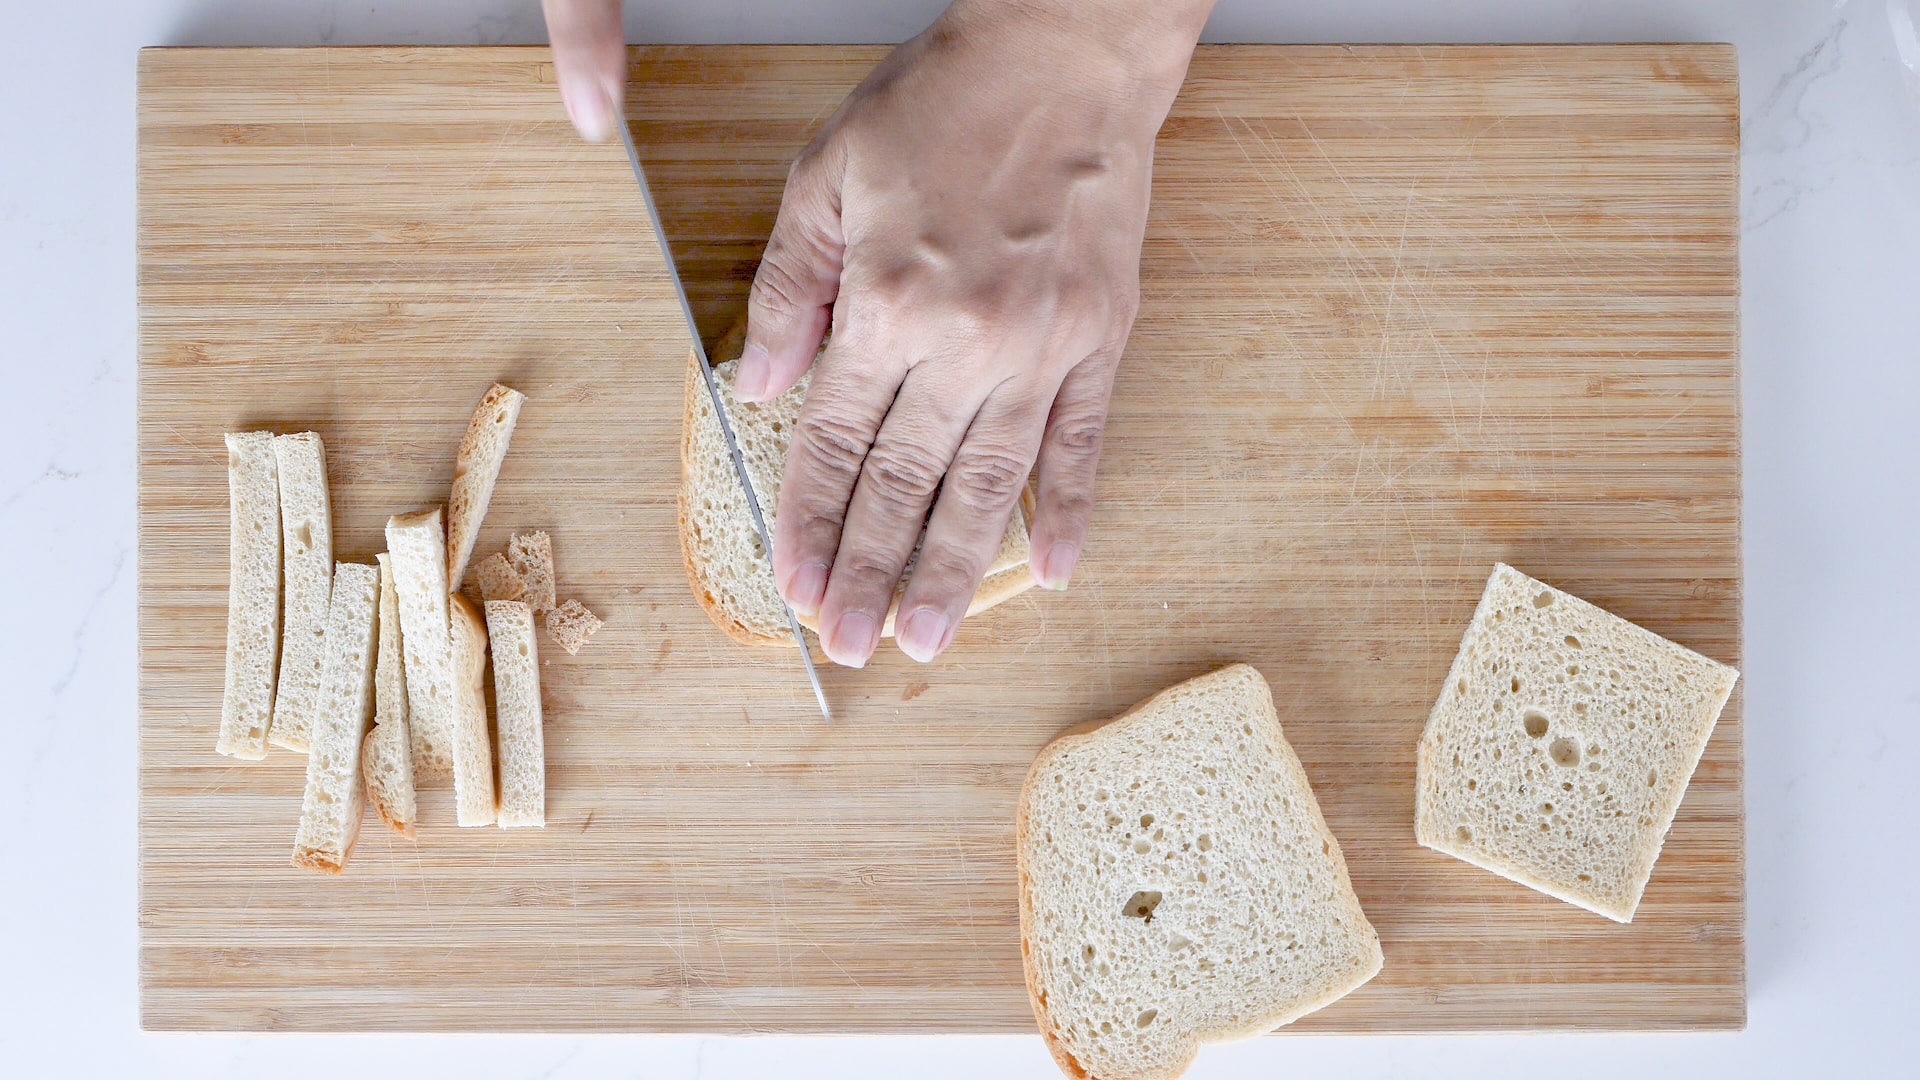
column 995, row 589
column 1079, row 735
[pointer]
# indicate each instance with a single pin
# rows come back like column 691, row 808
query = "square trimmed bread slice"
column 330, row 811
column 731, row 576
column 475, row 469
column 473, row 793
column 306, row 527
column 386, row 759
column 571, row 625
column 498, row 580
column 531, row 557
column 1562, row 743
column 253, row 595
column 516, row 707
column 1178, row 884
column 418, row 549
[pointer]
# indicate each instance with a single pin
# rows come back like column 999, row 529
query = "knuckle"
column 1079, row 434
column 833, row 441
column 942, row 572
column 987, row 476
column 901, row 475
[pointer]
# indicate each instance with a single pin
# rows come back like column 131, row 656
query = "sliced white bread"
column 475, row 469
column 1178, row 884
column 330, row 812
column 531, row 557
column 306, row 545
column 732, row 577
column 473, row 792
column 571, row 625
column 1562, row 743
column 498, row 580
column 516, row 706
column 253, row 595
column 386, row 760
column 418, row 549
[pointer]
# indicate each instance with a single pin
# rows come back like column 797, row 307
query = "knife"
column 719, row 412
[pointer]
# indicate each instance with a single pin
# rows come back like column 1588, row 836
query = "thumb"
column 793, row 291
column 590, row 60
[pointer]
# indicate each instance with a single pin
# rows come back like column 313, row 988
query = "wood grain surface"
column 1406, row 311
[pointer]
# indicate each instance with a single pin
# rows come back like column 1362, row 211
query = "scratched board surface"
column 1405, row 312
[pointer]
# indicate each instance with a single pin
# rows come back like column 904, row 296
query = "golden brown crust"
column 314, row 860
column 367, row 753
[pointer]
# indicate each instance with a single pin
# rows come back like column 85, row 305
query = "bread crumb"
column 531, row 556
column 571, row 625
column 498, row 580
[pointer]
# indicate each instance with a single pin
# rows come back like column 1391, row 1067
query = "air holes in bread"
column 1564, row 752
column 1140, row 906
column 1536, row 723
column 1543, row 599
column 1145, row 1018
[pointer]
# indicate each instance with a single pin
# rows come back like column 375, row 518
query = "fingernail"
column 853, row 639
column 751, row 376
column 923, row 635
column 806, row 588
column 590, row 111
column 1057, row 567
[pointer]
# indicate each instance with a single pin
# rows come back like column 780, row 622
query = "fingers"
column 590, row 60
column 911, row 454
column 794, row 289
column 845, row 404
column 1069, row 452
column 970, row 518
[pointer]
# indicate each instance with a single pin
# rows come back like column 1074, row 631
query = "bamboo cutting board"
column 1406, row 311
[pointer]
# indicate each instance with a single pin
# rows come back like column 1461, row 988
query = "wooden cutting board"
column 1406, row 311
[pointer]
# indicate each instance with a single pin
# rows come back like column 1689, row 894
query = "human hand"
column 969, row 221
column 590, row 62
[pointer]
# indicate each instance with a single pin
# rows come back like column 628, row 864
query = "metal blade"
column 719, row 412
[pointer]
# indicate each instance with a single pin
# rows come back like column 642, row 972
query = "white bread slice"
column 253, row 595
column 475, row 469
column 386, row 761
column 498, row 580
column 1562, row 743
column 730, row 574
column 330, row 811
column 516, row 705
column 472, row 749
column 1178, row 884
column 306, row 544
column 531, row 557
column 571, row 625
column 418, row 550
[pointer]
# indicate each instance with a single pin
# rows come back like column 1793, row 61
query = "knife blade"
column 719, row 412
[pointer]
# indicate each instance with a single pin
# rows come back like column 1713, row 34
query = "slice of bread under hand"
column 418, row 549
column 1562, row 743
column 306, row 523
column 1178, row 884
column 386, row 759
column 330, row 812
column 472, row 750
column 516, row 705
column 730, row 573
column 253, row 595
column 475, row 469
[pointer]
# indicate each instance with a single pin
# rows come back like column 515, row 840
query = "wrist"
column 1135, row 47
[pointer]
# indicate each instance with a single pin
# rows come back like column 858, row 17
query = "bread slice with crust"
column 473, row 791
column 331, row 809
column 475, row 469
column 1178, row 884
column 1562, row 743
column 516, row 705
column 306, row 543
column 253, row 595
column 386, row 759
column 731, row 576
column 418, row 549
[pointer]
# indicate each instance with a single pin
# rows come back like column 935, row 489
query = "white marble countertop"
column 1831, row 319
